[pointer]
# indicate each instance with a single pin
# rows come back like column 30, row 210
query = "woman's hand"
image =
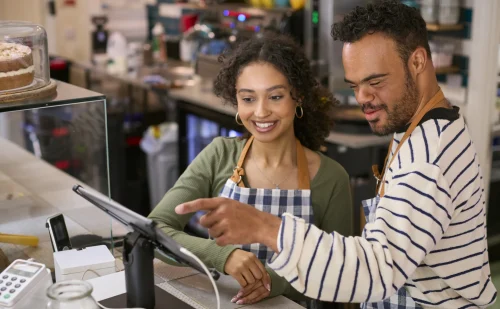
column 252, row 293
column 246, row 269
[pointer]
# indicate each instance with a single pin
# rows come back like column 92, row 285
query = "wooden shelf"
column 438, row 27
column 348, row 113
column 447, row 70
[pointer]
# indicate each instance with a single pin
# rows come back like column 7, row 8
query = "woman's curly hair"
column 398, row 21
column 286, row 56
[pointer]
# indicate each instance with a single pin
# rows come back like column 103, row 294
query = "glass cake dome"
column 24, row 59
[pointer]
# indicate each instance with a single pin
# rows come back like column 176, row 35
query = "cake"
column 16, row 66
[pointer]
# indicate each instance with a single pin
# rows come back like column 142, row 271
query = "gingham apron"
column 273, row 201
column 402, row 298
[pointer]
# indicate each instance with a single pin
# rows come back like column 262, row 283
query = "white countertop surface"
column 32, row 190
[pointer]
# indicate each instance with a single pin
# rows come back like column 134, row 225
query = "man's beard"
column 401, row 112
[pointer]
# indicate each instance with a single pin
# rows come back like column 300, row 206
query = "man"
column 424, row 244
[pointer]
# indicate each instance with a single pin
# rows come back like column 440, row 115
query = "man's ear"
column 418, row 61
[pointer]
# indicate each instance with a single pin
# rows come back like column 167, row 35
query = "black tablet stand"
column 138, row 255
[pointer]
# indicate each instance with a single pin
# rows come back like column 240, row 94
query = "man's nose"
column 364, row 95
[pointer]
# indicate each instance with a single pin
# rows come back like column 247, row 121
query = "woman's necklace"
column 277, row 185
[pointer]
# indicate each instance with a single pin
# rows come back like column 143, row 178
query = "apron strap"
column 436, row 101
column 238, row 171
column 302, row 166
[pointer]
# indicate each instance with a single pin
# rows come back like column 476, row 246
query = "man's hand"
column 232, row 222
column 252, row 293
column 246, row 268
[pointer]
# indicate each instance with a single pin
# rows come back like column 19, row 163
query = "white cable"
column 194, row 257
column 98, row 303
column 91, row 270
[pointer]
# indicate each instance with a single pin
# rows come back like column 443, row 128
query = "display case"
column 48, row 146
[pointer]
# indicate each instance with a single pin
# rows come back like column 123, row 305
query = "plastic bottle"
column 159, row 48
column 116, row 51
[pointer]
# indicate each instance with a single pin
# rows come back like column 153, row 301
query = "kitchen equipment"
column 99, row 35
column 448, row 15
column 429, row 13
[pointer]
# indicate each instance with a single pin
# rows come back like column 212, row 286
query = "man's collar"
column 450, row 114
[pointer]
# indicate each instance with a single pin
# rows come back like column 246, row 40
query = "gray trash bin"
column 160, row 145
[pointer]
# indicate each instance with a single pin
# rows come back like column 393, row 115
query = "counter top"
column 201, row 95
column 188, row 285
column 31, row 190
column 166, row 70
column 199, row 92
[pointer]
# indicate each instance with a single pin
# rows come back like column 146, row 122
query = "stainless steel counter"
column 199, row 92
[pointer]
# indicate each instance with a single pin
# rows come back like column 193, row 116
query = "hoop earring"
column 236, row 119
column 301, row 112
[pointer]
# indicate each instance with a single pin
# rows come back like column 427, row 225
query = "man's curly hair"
column 396, row 20
column 286, row 56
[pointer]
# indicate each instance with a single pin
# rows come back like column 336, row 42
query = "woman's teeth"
column 264, row 124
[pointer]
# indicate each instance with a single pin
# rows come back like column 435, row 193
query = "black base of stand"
column 138, row 258
column 163, row 301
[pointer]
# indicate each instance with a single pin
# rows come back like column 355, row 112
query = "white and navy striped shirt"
column 429, row 234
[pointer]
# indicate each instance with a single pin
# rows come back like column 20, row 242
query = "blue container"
column 282, row 3
column 411, row 3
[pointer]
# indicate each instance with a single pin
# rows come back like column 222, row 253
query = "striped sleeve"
column 410, row 219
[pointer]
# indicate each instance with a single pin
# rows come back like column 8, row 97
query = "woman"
column 277, row 169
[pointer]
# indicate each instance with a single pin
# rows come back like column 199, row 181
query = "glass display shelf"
column 66, row 94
